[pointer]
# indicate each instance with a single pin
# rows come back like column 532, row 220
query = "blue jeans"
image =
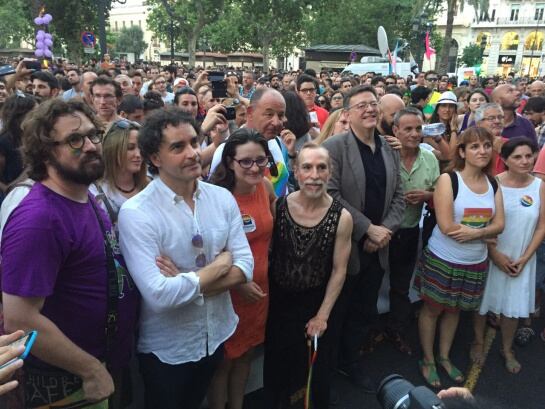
column 180, row 386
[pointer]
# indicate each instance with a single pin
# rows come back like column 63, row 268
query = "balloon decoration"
column 44, row 39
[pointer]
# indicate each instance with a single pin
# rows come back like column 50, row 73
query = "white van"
column 382, row 68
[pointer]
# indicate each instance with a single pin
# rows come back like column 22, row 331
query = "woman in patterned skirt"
column 452, row 271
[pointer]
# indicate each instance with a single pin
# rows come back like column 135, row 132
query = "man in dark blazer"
column 366, row 180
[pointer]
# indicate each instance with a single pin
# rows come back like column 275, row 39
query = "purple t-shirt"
column 520, row 127
column 53, row 248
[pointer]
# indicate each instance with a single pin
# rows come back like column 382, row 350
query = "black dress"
column 299, row 271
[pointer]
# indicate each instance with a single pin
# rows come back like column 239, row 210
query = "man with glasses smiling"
column 185, row 318
column 366, row 180
column 61, row 264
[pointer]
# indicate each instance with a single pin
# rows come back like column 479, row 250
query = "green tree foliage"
column 356, row 21
column 16, row 24
column 131, row 40
column 189, row 17
column 472, row 55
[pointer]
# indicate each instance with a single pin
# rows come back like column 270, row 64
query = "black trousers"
column 403, row 256
column 180, row 386
column 362, row 313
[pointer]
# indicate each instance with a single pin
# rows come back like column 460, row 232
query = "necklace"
column 125, row 191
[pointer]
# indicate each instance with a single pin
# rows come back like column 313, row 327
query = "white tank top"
column 470, row 209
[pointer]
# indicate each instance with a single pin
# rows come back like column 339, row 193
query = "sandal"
column 454, row 373
column 476, row 353
column 433, row 377
column 523, row 336
column 511, row 364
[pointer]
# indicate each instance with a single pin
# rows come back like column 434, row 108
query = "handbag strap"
column 113, row 287
column 106, row 201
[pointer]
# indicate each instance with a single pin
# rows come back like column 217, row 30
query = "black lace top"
column 302, row 257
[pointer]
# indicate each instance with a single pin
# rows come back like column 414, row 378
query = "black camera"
column 230, row 113
column 219, row 86
column 395, row 392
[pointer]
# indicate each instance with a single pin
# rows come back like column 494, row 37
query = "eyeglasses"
column 493, row 118
column 198, row 243
column 122, row 124
column 363, row 106
column 338, row 98
column 308, row 90
column 77, row 140
column 247, row 163
column 431, row 79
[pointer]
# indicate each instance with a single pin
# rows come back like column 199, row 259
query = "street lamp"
column 420, row 26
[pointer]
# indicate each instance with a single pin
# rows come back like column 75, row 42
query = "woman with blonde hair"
column 336, row 123
column 124, row 169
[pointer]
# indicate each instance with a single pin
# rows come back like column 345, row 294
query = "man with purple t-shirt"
column 62, row 272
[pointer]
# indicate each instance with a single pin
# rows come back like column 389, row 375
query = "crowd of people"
column 149, row 213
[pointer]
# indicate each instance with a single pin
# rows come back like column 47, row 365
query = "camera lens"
column 393, row 392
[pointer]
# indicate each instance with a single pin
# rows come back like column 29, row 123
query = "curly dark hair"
column 223, row 175
column 13, row 112
column 37, row 127
column 150, row 136
column 152, row 101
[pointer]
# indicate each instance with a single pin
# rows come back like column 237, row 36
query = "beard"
column 386, row 127
column 85, row 174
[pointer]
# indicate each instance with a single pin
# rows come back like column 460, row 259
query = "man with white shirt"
column 186, row 318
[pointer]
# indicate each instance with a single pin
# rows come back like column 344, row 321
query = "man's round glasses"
column 247, row 163
column 77, row 140
column 308, row 90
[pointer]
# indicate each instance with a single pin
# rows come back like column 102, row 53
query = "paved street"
column 522, row 391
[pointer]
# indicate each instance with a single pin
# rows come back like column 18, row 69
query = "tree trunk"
column 265, row 50
column 74, row 49
column 191, row 47
column 441, row 65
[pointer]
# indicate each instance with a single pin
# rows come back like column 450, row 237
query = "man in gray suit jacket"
column 366, row 180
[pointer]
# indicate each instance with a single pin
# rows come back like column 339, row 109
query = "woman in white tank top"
column 452, row 271
column 510, row 285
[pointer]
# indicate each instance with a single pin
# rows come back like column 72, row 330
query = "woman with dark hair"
column 452, row 271
column 12, row 115
column 241, row 171
column 323, row 101
column 336, row 101
column 298, row 119
column 510, row 285
column 475, row 99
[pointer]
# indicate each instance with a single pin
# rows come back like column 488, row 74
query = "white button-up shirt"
column 177, row 323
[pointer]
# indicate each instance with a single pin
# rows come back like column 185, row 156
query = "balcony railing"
column 506, row 21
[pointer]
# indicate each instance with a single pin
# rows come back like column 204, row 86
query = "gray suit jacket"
column 347, row 185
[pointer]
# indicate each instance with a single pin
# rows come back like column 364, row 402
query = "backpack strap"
column 454, row 183
column 493, row 182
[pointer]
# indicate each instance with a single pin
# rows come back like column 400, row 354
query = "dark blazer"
column 347, row 185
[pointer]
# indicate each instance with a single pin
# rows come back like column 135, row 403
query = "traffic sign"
column 88, row 39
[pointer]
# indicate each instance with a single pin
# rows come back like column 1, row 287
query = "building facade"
column 510, row 32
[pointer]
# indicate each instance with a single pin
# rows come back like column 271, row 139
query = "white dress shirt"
column 177, row 323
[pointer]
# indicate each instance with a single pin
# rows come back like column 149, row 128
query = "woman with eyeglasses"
column 336, row 101
column 242, row 171
column 475, row 99
column 124, row 169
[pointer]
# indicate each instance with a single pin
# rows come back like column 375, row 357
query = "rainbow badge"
column 526, row 201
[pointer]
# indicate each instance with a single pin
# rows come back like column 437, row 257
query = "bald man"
column 536, row 89
column 389, row 104
column 508, row 97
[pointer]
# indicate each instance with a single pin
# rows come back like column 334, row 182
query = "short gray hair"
column 407, row 111
column 479, row 113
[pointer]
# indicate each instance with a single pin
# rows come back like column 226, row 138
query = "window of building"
column 123, row 23
column 510, row 41
column 493, row 15
column 514, row 12
column 116, row 26
column 484, row 38
column 539, row 11
column 131, row 23
column 534, row 41
column 140, row 23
